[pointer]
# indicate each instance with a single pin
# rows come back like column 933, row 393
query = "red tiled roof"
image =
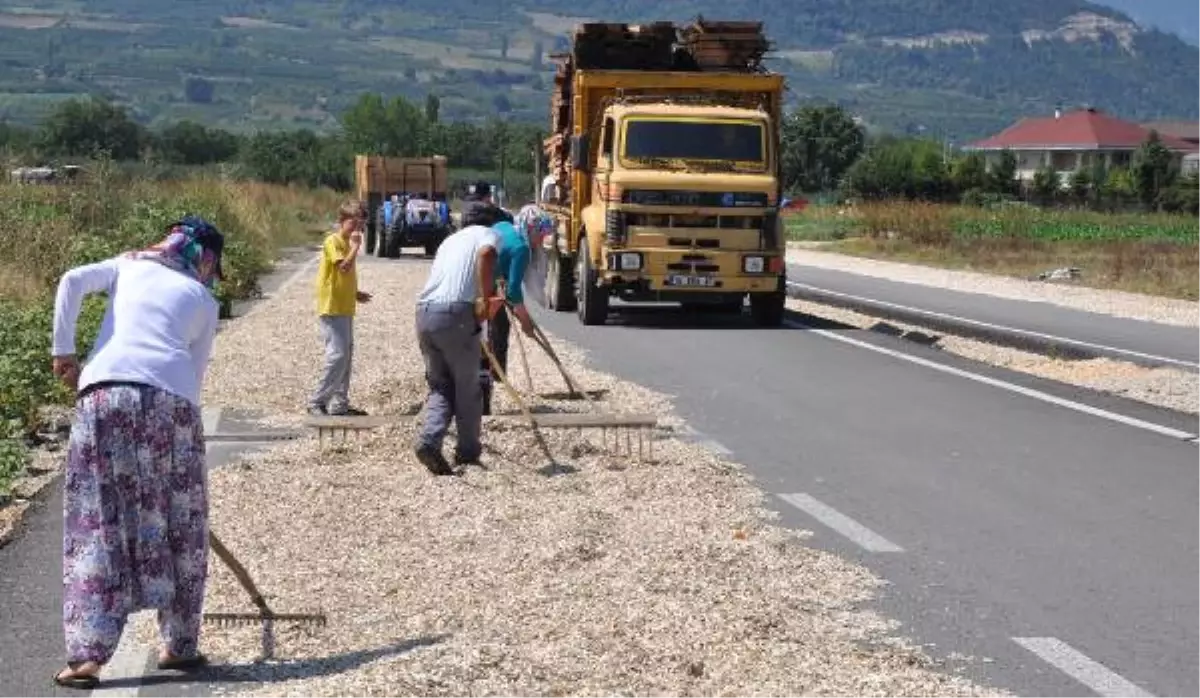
column 1187, row 130
column 1085, row 129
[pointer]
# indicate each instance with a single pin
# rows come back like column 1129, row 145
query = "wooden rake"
column 265, row 616
column 620, row 434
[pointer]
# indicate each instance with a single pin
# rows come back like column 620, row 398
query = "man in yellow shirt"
column 337, row 299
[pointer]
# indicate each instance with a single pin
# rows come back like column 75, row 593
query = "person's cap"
column 482, row 188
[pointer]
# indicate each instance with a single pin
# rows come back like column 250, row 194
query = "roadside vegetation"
column 1152, row 253
column 45, row 230
column 1131, row 228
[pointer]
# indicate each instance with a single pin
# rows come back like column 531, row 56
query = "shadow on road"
column 281, row 671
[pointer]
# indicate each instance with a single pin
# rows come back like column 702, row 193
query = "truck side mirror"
column 580, row 157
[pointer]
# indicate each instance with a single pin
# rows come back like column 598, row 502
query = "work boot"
column 433, row 460
column 348, row 412
column 461, row 460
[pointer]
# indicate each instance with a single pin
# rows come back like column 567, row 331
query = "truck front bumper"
column 683, row 275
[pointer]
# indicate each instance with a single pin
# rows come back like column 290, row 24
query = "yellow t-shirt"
column 337, row 291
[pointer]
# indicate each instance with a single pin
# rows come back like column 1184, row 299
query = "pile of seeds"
column 589, row 575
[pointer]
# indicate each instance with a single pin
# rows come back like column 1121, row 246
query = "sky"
column 1178, row 16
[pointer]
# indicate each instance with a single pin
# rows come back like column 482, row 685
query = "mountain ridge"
column 953, row 69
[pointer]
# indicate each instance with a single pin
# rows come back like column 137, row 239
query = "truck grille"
column 700, row 242
column 668, row 220
column 688, row 266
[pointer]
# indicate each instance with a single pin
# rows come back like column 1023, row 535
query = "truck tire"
column 395, row 239
column 767, row 308
column 591, row 301
column 431, row 248
column 560, row 282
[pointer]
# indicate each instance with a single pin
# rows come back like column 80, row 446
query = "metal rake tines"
column 226, row 620
column 628, row 441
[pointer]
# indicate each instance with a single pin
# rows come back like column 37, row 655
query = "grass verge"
column 1155, row 254
column 45, row 230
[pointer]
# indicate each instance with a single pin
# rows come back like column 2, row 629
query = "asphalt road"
column 994, row 515
column 1172, row 342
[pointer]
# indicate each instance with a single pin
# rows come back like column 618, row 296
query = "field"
column 1143, row 253
column 45, row 230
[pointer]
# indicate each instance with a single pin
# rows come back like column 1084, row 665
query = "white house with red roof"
column 1074, row 141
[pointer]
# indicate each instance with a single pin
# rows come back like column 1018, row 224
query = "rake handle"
column 240, row 572
column 516, row 396
column 544, row 342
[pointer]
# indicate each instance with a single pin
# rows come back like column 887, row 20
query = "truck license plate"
column 703, row 281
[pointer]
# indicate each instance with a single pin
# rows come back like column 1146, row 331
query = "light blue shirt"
column 453, row 277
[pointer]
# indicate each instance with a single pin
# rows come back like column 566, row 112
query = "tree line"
column 95, row 127
column 824, row 149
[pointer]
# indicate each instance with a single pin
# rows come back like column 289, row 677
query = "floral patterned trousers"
column 135, row 509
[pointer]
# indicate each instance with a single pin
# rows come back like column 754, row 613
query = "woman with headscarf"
column 135, row 507
column 536, row 224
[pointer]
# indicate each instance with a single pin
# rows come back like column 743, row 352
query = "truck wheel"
column 431, row 248
column 560, row 282
column 395, row 239
column 591, row 301
column 767, row 308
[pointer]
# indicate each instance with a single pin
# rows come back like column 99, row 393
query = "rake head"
column 226, row 620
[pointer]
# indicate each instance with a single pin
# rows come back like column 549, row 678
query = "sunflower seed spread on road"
column 602, row 576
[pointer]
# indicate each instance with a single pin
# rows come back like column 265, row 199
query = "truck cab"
column 683, row 209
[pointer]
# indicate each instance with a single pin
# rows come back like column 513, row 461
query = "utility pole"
column 537, row 169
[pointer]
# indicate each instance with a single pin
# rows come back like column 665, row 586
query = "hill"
column 954, row 69
column 1180, row 17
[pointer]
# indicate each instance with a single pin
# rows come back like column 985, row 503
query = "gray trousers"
column 333, row 392
column 449, row 339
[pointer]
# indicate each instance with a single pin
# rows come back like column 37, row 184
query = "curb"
column 1054, row 347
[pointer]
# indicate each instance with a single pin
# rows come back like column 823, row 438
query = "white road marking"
column 716, row 447
column 129, row 664
column 211, row 418
column 1003, row 385
column 848, row 527
column 1077, row 665
column 701, row 439
column 1005, row 328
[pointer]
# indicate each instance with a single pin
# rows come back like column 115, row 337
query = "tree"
column 190, row 143
column 1046, row 185
column 89, row 127
column 969, row 173
column 1153, row 170
column 820, row 143
column 432, row 107
column 1002, row 177
column 198, row 90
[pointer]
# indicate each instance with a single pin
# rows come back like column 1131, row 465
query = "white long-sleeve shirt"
column 158, row 328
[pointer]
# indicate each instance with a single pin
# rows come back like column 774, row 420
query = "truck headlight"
column 630, row 261
column 753, row 264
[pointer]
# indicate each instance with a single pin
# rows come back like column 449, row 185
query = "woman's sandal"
column 182, row 663
column 82, row 682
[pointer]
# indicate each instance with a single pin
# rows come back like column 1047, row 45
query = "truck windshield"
column 731, row 142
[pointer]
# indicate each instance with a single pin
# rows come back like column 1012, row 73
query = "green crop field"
column 1139, row 252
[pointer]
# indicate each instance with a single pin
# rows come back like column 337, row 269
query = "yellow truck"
column 377, row 178
column 665, row 153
